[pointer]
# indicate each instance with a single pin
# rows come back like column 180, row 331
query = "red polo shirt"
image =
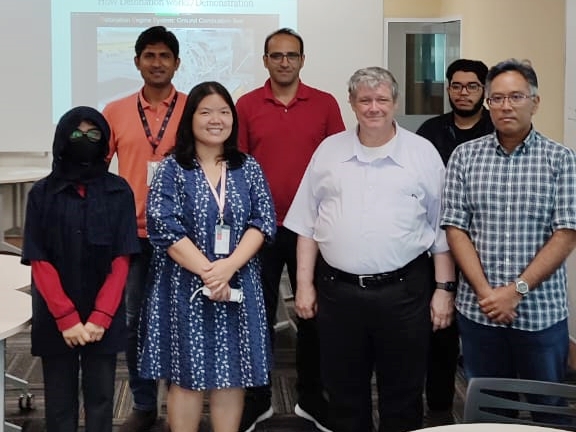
column 283, row 138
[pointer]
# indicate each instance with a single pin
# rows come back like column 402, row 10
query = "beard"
column 468, row 112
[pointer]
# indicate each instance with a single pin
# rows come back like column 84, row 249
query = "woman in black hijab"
column 80, row 232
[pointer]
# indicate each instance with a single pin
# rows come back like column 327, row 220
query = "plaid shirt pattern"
column 510, row 205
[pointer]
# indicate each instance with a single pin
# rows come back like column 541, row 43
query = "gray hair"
column 523, row 67
column 373, row 77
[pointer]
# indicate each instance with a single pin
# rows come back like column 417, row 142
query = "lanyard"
column 155, row 142
column 219, row 198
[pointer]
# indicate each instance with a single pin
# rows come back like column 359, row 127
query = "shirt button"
column 78, row 231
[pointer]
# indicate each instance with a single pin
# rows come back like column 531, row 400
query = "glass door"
column 418, row 54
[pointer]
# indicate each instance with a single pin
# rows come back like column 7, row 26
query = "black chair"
column 503, row 400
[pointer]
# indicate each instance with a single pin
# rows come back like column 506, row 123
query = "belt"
column 379, row 280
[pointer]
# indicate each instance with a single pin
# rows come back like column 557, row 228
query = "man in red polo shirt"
column 143, row 130
column 281, row 124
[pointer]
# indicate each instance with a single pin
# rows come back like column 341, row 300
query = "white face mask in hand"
column 236, row 295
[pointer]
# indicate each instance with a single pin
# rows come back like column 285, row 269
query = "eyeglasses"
column 514, row 99
column 471, row 87
column 93, row 135
column 277, row 57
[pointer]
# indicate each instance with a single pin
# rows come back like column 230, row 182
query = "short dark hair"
column 466, row 65
column 154, row 35
column 185, row 149
column 284, row 31
column 523, row 67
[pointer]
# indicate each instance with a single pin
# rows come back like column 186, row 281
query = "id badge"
column 151, row 168
column 222, row 240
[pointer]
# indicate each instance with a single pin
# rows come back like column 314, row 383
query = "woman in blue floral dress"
column 209, row 211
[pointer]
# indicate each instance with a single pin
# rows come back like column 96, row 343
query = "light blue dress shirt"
column 371, row 211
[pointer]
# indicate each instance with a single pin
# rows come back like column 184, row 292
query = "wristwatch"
column 521, row 287
column 447, row 286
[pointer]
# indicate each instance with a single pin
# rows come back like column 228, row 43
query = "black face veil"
column 80, row 160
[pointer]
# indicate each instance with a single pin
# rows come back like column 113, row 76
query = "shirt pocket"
column 538, row 201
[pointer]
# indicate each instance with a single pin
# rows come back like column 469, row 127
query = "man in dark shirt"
column 467, row 120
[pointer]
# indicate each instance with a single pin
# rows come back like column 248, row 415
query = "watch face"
column 521, row 287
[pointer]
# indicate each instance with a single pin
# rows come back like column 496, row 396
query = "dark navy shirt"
column 446, row 136
column 80, row 237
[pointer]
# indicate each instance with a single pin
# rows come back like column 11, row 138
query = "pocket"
column 538, row 206
column 324, row 280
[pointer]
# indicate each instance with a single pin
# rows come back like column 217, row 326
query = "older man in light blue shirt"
column 369, row 202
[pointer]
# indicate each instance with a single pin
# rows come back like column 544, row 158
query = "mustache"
column 466, row 112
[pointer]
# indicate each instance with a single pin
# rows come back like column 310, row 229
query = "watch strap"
column 447, row 286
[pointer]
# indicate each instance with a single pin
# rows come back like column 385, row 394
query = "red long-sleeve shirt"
column 61, row 307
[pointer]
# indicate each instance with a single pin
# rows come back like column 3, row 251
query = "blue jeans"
column 503, row 352
column 144, row 391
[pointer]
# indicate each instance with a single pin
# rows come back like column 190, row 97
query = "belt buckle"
column 361, row 279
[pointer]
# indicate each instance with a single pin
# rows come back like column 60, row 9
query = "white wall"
column 570, row 134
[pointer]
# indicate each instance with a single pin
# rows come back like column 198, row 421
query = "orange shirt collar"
column 166, row 102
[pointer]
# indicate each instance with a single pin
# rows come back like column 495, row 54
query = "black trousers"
column 274, row 257
column 61, row 378
column 144, row 391
column 442, row 365
column 383, row 329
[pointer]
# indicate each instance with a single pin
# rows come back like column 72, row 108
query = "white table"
column 15, row 315
column 15, row 276
column 5, row 246
column 489, row 427
column 17, row 176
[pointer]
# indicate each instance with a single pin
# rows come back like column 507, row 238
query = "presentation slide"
column 220, row 40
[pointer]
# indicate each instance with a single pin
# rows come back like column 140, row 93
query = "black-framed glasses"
column 471, row 87
column 514, row 99
column 277, row 57
column 93, row 135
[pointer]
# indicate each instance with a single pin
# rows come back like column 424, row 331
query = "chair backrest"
column 487, row 398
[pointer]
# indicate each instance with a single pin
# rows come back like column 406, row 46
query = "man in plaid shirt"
column 509, row 210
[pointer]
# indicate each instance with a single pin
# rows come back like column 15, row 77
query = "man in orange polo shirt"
column 143, row 130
